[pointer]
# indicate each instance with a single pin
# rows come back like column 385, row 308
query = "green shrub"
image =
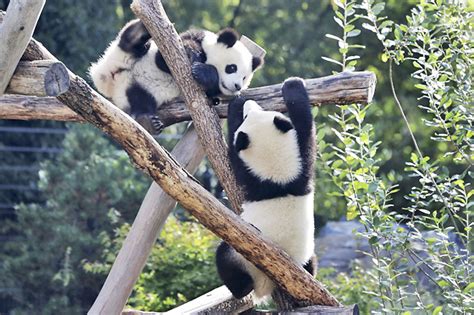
column 179, row 268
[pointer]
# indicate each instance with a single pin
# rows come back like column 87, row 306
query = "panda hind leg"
column 232, row 271
column 143, row 107
column 312, row 265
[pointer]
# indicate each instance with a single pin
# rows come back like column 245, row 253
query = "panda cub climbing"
column 133, row 74
column 272, row 157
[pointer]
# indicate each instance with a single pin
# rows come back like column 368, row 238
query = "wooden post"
column 146, row 227
column 342, row 88
column 15, row 33
column 208, row 127
column 39, row 78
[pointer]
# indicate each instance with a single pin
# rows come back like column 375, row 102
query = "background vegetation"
column 400, row 178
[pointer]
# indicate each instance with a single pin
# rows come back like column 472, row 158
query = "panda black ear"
column 242, row 142
column 282, row 124
column 228, row 37
column 256, row 63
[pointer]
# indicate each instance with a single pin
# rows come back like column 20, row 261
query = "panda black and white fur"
column 272, row 157
column 133, row 74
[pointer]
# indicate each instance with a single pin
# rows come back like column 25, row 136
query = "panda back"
column 150, row 77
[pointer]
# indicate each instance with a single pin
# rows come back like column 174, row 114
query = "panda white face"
column 234, row 63
column 268, row 145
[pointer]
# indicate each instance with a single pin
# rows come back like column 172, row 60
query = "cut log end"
column 39, row 78
column 56, row 80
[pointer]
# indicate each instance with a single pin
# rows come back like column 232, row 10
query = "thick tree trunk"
column 39, row 78
column 15, row 32
column 343, row 88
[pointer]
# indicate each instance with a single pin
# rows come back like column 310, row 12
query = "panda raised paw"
column 294, row 89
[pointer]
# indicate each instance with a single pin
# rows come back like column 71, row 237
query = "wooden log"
column 146, row 227
column 217, row 301
column 207, row 124
column 32, row 108
column 39, row 78
column 148, row 155
column 342, row 88
column 15, row 32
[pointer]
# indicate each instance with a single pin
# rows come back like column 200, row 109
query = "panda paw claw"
column 158, row 126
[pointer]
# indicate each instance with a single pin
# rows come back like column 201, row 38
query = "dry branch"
column 207, row 124
column 15, row 31
column 342, row 88
column 39, row 78
column 146, row 227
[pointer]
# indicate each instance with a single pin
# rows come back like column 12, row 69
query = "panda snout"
column 238, row 87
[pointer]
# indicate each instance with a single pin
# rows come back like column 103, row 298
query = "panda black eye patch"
column 230, row 69
column 282, row 124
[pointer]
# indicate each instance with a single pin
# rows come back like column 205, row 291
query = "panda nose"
column 238, row 87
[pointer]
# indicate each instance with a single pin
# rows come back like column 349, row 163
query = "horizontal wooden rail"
column 343, row 88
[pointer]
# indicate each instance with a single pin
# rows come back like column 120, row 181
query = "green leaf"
column 348, row 28
column 369, row 27
column 376, row 9
column 421, row 86
column 334, row 37
column 437, row 310
column 353, row 33
column 384, row 57
column 339, row 21
column 332, row 60
column 469, row 288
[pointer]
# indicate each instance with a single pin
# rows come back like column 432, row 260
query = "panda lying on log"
column 133, row 74
column 272, row 157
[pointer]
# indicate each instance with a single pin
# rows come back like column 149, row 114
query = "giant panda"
column 133, row 74
column 272, row 157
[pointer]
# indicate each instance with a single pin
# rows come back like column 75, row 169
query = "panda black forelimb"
column 298, row 104
column 207, row 76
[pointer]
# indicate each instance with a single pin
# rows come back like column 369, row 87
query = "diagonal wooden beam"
column 206, row 121
column 15, row 33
